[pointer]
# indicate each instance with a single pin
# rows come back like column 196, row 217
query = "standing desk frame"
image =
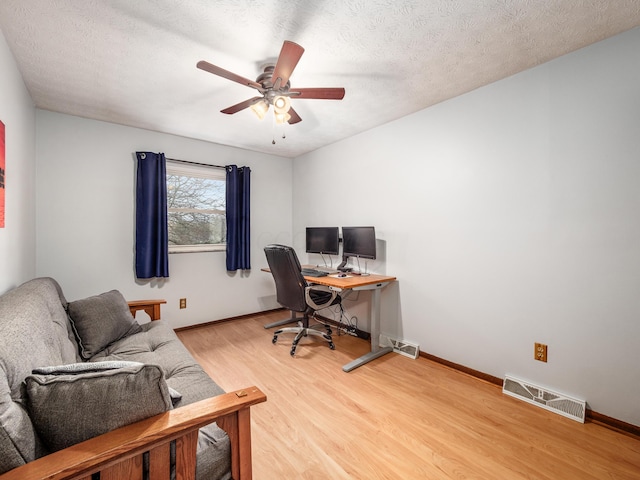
column 372, row 282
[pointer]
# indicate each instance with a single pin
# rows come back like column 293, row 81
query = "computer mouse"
column 342, row 275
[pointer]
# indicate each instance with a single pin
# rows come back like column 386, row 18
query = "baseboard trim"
column 595, row 417
column 229, row 319
column 469, row 371
column 613, row 423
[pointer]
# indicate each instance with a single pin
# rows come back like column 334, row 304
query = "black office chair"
column 293, row 292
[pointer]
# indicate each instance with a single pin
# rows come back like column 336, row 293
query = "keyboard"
column 311, row 272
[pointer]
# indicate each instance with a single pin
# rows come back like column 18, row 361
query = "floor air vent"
column 547, row 399
column 407, row 349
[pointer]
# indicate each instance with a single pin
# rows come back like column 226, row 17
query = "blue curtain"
column 238, row 218
column 152, row 236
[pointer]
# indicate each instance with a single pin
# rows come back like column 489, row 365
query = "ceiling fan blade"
column 295, row 118
column 321, row 93
column 240, row 106
column 287, row 61
column 221, row 72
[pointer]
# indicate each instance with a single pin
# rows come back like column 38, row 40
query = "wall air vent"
column 545, row 398
column 407, row 349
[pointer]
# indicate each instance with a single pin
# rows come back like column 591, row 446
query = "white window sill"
column 197, row 248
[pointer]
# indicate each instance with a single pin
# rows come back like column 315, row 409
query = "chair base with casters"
column 303, row 331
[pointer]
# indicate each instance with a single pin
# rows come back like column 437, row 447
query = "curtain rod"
column 194, row 163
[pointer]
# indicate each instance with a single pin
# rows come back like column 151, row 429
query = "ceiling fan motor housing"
column 264, row 79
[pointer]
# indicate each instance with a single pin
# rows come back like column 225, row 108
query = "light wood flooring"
column 394, row 418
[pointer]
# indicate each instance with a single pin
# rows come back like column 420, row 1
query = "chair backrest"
column 290, row 284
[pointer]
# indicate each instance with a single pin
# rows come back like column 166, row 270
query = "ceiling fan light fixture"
column 282, row 117
column 260, row 108
column 281, row 104
column 274, row 86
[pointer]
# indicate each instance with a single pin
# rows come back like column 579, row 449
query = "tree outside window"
column 196, row 208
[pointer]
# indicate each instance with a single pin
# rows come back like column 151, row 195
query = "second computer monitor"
column 359, row 242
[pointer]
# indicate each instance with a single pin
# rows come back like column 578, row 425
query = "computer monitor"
column 359, row 242
column 323, row 240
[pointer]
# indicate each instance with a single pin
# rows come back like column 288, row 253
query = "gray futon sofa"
column 72, row 371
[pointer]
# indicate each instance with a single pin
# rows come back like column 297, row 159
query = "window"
column 196, row 209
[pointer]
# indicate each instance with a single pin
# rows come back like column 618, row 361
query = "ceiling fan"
column 274, row 86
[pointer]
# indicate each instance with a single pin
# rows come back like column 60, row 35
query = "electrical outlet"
column 540, row 352
column 183, row 303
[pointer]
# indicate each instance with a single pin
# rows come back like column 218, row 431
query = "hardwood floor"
column 394, row 418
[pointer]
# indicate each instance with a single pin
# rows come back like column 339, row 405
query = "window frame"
column 189, row 169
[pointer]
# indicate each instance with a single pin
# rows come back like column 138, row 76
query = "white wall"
column 17, row 239
column 510, row 215
column 86, row 219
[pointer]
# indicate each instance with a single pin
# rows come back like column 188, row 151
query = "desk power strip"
column 354, row 332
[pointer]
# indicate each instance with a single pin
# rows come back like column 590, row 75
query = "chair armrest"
column 121, row 450
column 152, row 307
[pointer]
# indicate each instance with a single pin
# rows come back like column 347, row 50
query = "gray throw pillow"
column 101, row 320
column 72, row 403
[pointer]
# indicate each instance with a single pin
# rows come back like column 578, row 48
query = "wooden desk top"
column 350, row 281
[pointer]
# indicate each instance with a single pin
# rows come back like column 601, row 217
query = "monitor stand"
column 343, row 266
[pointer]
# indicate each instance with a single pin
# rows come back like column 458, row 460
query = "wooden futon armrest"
column 151, row 307
column 118, row 454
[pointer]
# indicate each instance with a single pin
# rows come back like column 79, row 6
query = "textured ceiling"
column 134, row 62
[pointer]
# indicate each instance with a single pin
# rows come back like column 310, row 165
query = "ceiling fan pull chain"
column 273, row 130
column 283, row 136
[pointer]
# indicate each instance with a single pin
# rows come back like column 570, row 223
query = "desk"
column 372, row 282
